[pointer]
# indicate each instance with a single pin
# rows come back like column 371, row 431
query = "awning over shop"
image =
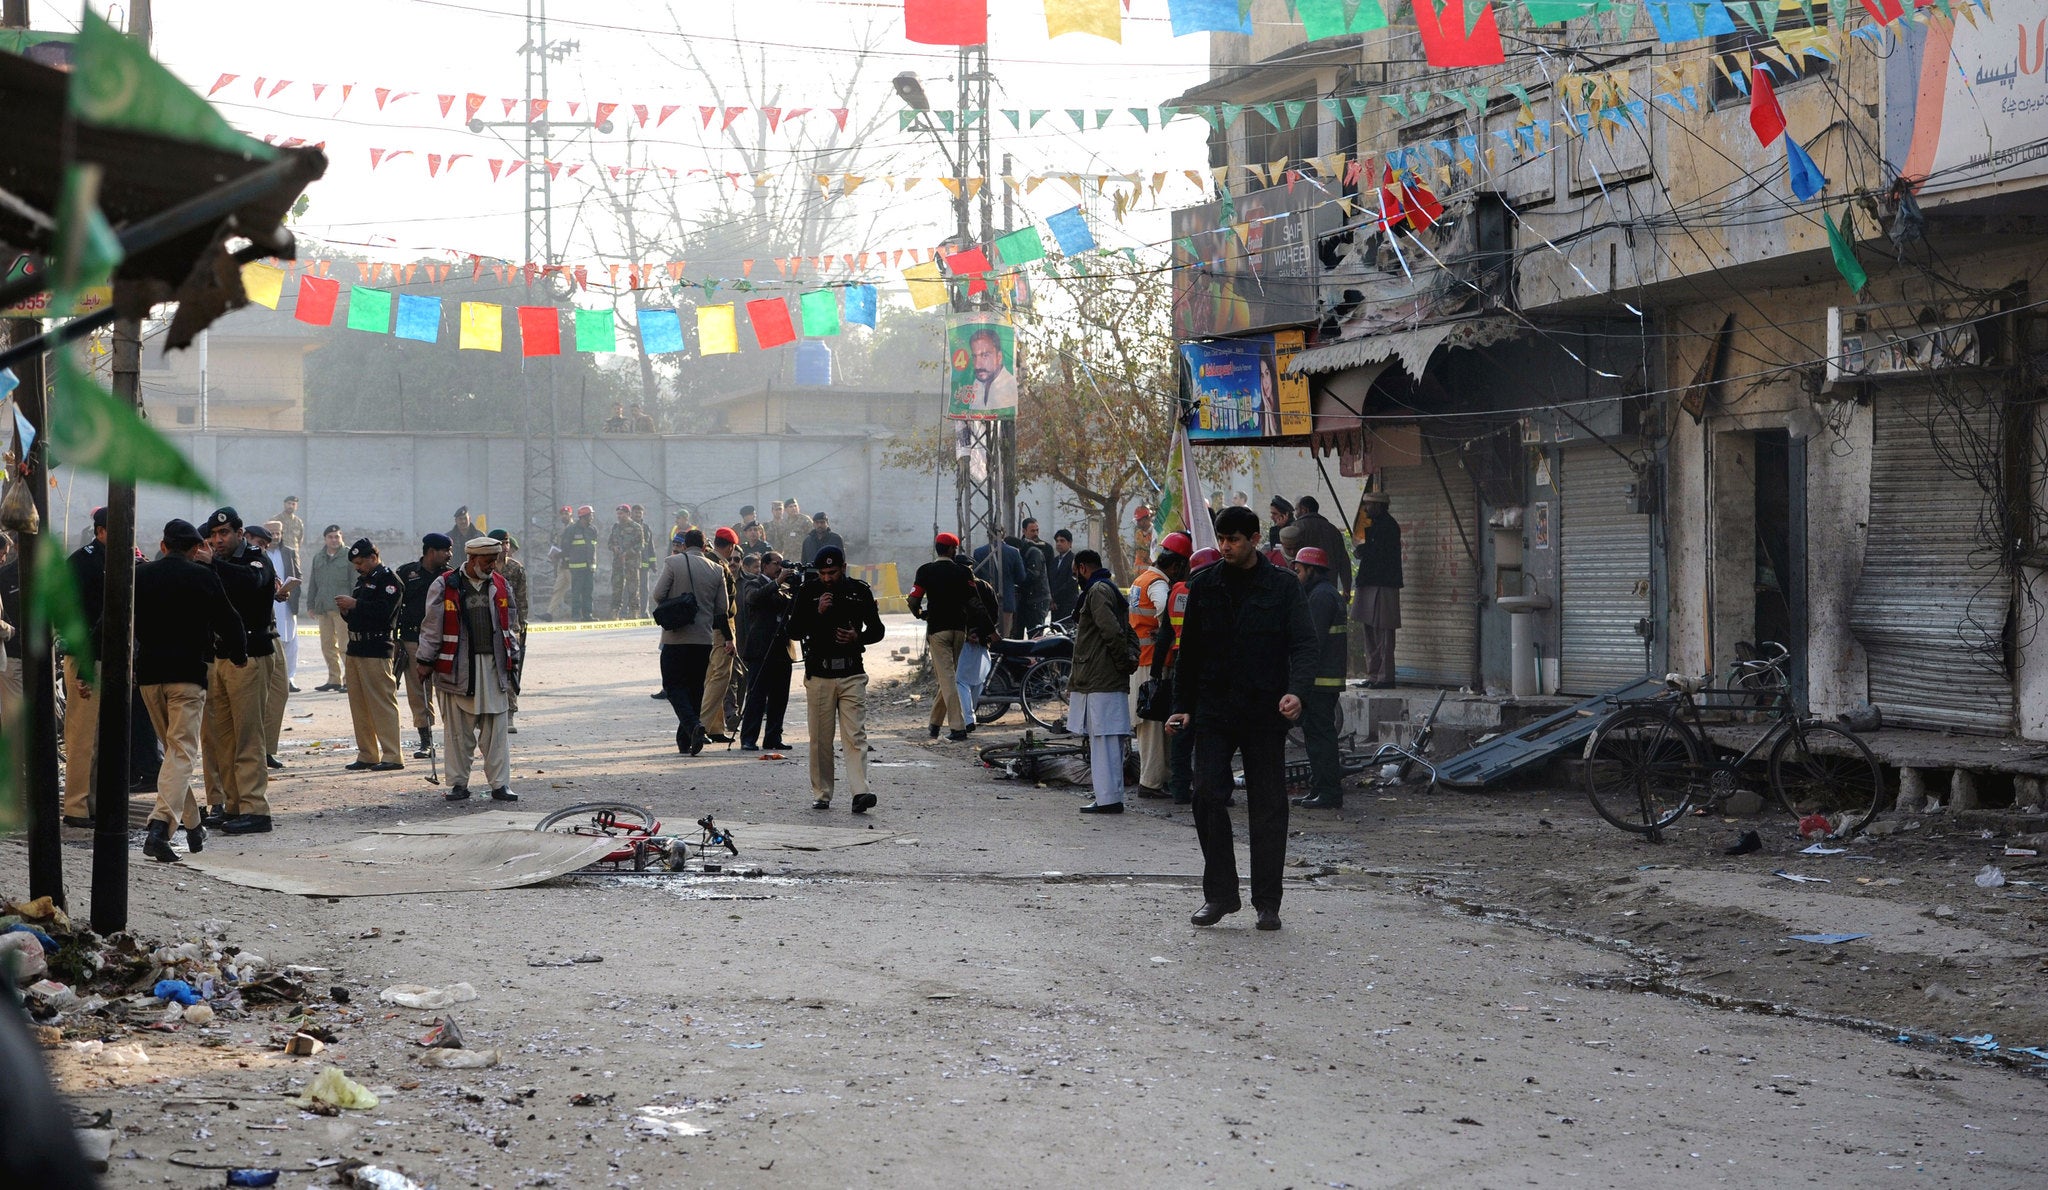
column 1413, row 348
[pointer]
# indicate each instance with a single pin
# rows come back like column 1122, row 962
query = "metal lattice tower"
column 982, row 503
column 542, row 421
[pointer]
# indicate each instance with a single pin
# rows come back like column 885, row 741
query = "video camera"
column 795, row 574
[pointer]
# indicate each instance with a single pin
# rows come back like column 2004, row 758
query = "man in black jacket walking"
column 183, row 621
column 764, row 648
column 836, row 618
column 1247, row 659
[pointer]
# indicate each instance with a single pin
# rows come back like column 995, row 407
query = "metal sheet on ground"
column 752, row 836
column 386, row 864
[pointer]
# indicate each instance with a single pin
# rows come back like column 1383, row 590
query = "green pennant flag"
column 92, row 431
column 1556, row 12
column 116, row 84
column 1473, row 11
column 1294, row 108
column 1034, row 115
column 369, row 310
column 905, row 119
column 1021, row 246
column 1079, row 117
column 1229, row 112
column 1010, row 114
column 970, row 116
column 1102, row 115
column 1268, row 112
column 58, row 602
column 820, row 309
column 1167, row 112
column 86, row 252
column 1143, row 115
column 596, row 330
column 1358, row 104
column 1398, row 102
column 1843, row 244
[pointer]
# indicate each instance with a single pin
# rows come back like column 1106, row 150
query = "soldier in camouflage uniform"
column 647, row 558
column 628, row 543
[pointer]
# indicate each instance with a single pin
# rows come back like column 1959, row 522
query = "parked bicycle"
column 1033, row 674
column 1651, row 762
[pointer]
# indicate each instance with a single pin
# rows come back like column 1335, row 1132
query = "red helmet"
column 1178, row 543
column 623, row 508
column 1141, row 513
column 586, row 510
column 1205, row 556
column 1309, row 555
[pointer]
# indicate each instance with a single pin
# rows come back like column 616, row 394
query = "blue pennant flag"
column 1806, row 176
column 1071, row 230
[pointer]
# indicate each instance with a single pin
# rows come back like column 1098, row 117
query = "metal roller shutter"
column 1931, row 604
column 1604, row 560
column 1438, row 641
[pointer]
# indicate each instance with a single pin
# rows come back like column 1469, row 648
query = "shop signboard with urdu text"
column 1238, row 389
column 1249, row 264
column 1966, row 99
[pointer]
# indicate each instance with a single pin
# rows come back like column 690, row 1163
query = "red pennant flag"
column 316, row 300
column 319, row 89
column 1766, row 118
column 509, row 105
column 614, row 171
column 640, row 113
column 383, row 94
column 970, row 263
column 377, row 157
column 707, row 113
column 512, row 168
column 667, row 110
column 278, row 86
column 582, row 277
column 347, row 89
column 839, row 114
column 574, row 168
column 774, row 115
column 1445, row 41
column 257, row 90
column 540, row 331
column 447, row 102
column 535, row 109
column 770, row 319
column 1884, row 12
column 433, row 165
column 220, row 82
column 573, row 105
column 554, row 169
column 946, row 22
column 795, row 112
column 731, row 114
column 496, row 165
column 1421, row 207
column 604, row 112
column 1390, row 200
column 471, row 104
column 455, row 157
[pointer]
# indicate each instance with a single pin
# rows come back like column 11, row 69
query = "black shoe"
column 931, row 731
column 1749, row 842
column 84, row 824
column 341, row 690
column 1151, row 794
column 776, row 746
column 1183, row 799
column 863, row 802
column 195, row 839
column 1321, row 801
column 1103, row 808
column 750, row 747
column 389, row 766
column 359, row 766
column 213, row 817
column 273, row 762
column 697, row 744
column 1269, row 919
column 1210, row 913
column 157, row 845
column 957, row 736
column 421, row 753
column 821, row 804
column 458, row 794
column 659, row 696
column 717, row 739
column 291, row 689
column 323, row 687
column 503, row 794
column 246, row 824
column 1303, row 800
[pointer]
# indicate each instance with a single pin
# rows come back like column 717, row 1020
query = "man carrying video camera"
column 765, row 650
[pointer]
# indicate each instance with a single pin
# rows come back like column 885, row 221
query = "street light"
column 911, row 91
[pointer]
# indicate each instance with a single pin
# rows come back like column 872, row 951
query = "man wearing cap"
column 718, row 682
column 237, row 696
column 647, row 561
column 1376, row 593
column 291, row 532
column 558, row 594
column 747, row 517
column 821, row 537
column 836, row 618
column 578, row 544
column 464, row 528
column 328, row 574
column 514, row 571
column 277, row 681
column 413, row 580
column 789, row 539
column 1319, row 709
column 469, row 650
column 1151, row 593
column 938, row 596
column 371, row 610
column 754, row 540
column 183, row 621
column 686, row 650
column 1005, row 580
column 81, row 711
column 628, row 545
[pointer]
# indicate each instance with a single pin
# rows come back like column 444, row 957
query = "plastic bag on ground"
column 413, row 995
column 442, row 1059
column 22, row 956
column 1991, row 877
column 336, row 1089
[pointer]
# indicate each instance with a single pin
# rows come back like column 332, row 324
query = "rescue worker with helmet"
column 1180, row 780
column 578, row 546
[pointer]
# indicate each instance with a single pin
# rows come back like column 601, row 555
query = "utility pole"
column 38, row 673
column 983, row 512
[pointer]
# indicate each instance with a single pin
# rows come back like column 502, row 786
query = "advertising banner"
column 981, row 352
column 1238, row 393
column 1966, row 100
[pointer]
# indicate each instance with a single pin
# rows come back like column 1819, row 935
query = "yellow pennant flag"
column 717, row 333
column 483, row 327
column 264, row 283
column 926, row 289
column 1100, row 17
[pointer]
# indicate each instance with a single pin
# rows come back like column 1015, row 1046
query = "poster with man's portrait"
column 981, row 352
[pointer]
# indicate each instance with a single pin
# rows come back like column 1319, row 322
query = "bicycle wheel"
column 989, row 712
column 1640, row 768
column 1045, row 693
column 601, row 818
column 1823, row 769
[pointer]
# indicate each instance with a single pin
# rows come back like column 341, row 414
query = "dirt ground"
column 974, row 983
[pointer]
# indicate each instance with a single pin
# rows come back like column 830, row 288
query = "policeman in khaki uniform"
column 372, row 610
column 628, row 545
column 237, row 696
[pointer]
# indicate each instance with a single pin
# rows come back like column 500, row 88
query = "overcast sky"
column 629, row 51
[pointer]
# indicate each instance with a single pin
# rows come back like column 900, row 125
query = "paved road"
column 932, row 1008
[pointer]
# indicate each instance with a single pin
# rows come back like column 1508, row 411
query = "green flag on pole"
column 86, row 252
column 93, row 431
column 820, row 309
column 1021, row 246
column 116, row 84
column 596, row 330
column 1843, row 245
column 369, row 310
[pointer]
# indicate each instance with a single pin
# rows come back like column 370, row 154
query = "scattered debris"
column 581, row 958
column 252, row 1177
column 24, row 956
column 1984, row 1042
column 99, row 1053
column 444, row 1059
column 657, row 1120
column 1923, row 1073
column 1797, row 879
column 1827, row 939
column 97, row 1146
column 1822, row 849
column 304, row 1045
column 1748, row 842
column 274, row 988
column 413, row 995
column 199, row 1015
column 444, row 1035
column 592, row 1098
column 175, row 989
column 335, row 1089
column 363, row 1176
column 1991, row 877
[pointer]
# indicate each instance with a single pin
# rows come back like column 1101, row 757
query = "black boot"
column 426, row 747
column 1322, row 801
column 195, row 839
column 157, row 845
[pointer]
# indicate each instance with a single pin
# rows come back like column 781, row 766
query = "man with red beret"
column 939, row 596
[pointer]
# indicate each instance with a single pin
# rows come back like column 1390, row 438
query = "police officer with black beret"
column 237, row 697
column 372, row 610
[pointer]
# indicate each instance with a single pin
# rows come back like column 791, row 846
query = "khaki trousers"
column 333, row 639
column 233, row 736
column 373, row 709
column 276, row 689
column 417, row 694
column 842, row 702
column 1155, row 754
column 945, row 646
column 176, row 710
column 467, row 735
column 81, row 741
column 10, row 687
column 717, row 680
